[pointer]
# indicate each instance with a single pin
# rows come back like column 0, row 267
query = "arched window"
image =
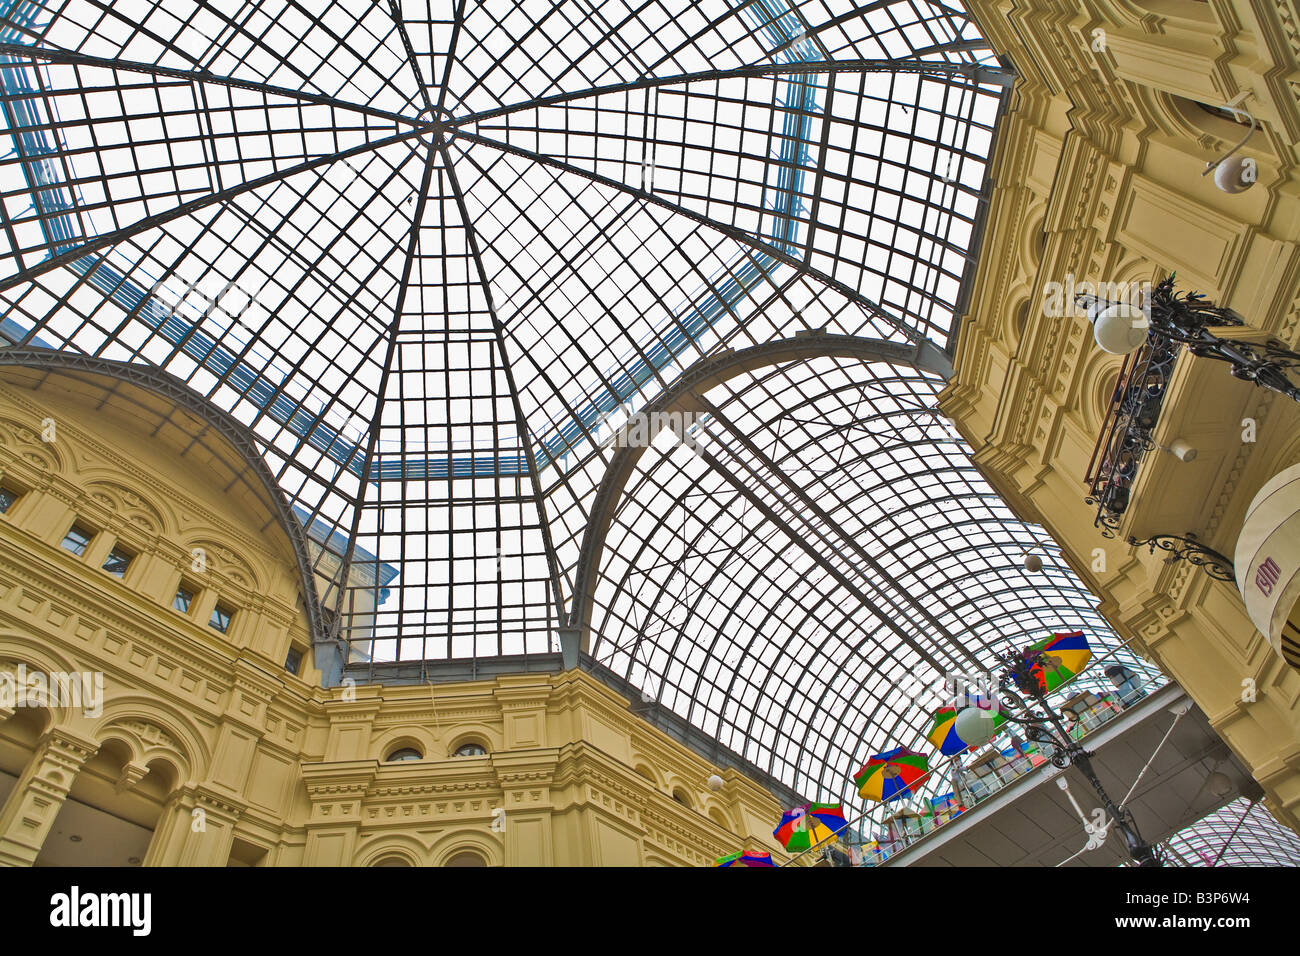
column 681, row 797
column 470, row 750
column 404, row 753
column 392, row 861
column 466, row 858
column 1224, row 113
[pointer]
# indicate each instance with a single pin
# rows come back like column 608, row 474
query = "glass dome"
column 438, row 258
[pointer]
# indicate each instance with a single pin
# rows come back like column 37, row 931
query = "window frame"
column 78, row 526
column 193, row 592
column 119, row 550
column 218, row 609
column 404, row 749
column 8, row 489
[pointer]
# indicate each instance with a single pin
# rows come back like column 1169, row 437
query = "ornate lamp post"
column 1166, row 323
column 1045, row 725
column 1169, row 317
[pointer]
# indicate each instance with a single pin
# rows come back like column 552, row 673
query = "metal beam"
column 972, row 72
column 704, row 374
column 194, row 205
column 731, row 232
column 68, row 58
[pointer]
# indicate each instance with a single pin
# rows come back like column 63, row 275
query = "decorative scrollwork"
column 1187, row 319
column 1188, row 548
column 1188, row 311
column 1133, row 419
column 1178, row 320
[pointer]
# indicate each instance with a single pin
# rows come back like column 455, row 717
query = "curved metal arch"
column 703, row 375
column 236, row 435
column 809, row 612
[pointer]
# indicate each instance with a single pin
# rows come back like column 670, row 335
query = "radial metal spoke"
column 152, row 222
column 729, row 231
column 971, row 73
column 69, row 58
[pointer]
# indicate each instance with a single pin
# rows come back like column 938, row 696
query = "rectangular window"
column 7, row 498
column 183, row 599
column 293, row 663
column 77, row 540
column 220, row 619
column 119, row 559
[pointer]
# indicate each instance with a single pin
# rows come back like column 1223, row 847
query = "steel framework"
column 430, row 260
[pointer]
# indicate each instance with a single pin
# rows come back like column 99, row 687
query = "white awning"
column 1268, row 562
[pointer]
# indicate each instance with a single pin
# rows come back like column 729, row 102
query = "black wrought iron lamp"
column 1186, row 319
column 1045, row 725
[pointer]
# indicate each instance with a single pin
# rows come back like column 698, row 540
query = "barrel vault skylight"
column 434, row 256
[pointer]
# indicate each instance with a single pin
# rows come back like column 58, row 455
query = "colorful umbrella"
column 754, row 858
column 944, row 736
column 809, row 825
column 1060, row 657
column 890, row 775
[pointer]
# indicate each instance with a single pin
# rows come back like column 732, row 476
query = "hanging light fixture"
column 975, row 725
column 1233, row 173
column 1119, row 327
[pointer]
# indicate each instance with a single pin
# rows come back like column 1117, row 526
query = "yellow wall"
column 1097, row 174
column 209, row 742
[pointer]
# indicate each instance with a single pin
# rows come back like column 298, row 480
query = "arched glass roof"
column 799, row 577
column 1241, row 834
column 433, row 257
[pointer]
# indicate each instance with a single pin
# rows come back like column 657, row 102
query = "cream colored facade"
column 208, row 751
column 217, row 754
column 1098, row 177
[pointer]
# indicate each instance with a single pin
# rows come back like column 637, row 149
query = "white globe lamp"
column 974, row 725
column 1033, row 563
column 1230, row 175
column 1218, row 784
column 715, row 783
column 1120, row 328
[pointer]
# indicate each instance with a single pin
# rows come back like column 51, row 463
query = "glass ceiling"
column 1243, row 833
column 435, row 255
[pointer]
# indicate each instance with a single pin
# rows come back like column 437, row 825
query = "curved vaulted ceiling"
column 434, row 256
column 1242, row 833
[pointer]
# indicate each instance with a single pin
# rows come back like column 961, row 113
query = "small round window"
column 470, row 750
column 405, row 753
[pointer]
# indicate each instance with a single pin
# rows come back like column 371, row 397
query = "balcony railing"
column 886, row 830
column 1126, row 432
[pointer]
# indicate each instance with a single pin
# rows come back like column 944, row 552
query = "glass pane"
column 117, row 563
column 77, row 540
column 220, row 618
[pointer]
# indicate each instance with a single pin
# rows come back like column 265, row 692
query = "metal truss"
column 424, row 262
